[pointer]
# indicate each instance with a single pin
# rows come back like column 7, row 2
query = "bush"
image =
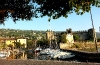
column 76, row 37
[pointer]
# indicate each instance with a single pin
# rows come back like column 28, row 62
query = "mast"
column 50, row 34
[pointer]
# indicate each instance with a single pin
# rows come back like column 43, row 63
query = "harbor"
column 31, row 58
column 57, row 55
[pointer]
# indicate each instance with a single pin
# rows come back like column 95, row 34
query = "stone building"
column 69, row 36
column 85, row 34
column 49, row 35
column 69, row 40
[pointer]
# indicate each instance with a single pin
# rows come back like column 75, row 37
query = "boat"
column 56, row 53
column 48, row 51
column 4, row 54
column 38, row 49
column 45, row 51
column 64, row 55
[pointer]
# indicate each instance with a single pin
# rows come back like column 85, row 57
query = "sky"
column 75, row 22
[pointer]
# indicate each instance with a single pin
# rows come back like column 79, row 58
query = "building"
column 23, row 42
column 7, row 41
column 69, row 36
column 49, row 35
column 85, row 34
column 10, row 41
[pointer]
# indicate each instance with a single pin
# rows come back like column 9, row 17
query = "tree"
column 63, row 38
column 11, row 46
column 94, row 33
column 76, row 37
column 56, row 9
column 30, row 44
column 43, row 43
column 17, row 44
column 26, row 9
column 16, row 9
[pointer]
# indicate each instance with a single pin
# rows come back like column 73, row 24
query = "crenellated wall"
column 85, row 34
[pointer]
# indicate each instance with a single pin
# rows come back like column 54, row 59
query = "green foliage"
column 62, row 38
column 26, row 9
column 16, row 33
column 91, row 40
column 30, row 44
column 17, row 44
column 3, row 46
column 11, row 46
column 17, row 9
column 76, row 37
column 56, row 9
column 43, row 42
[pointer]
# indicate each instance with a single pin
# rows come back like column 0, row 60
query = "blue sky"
column 76, row 22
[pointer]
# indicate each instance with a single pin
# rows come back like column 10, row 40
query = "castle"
column 83, row 35
column 49, row 35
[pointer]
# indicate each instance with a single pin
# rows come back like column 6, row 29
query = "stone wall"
column 85, row 34
column 43, row 62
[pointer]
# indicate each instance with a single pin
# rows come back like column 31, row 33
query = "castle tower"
column 90, row 32
column 49, row 35
column 69, row 36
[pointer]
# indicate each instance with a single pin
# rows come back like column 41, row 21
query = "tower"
column 49, row 33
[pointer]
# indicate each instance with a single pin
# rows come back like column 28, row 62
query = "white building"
column 69, row 38
column 23, row 42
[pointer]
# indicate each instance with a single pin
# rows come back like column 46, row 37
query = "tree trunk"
column 94, row 33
